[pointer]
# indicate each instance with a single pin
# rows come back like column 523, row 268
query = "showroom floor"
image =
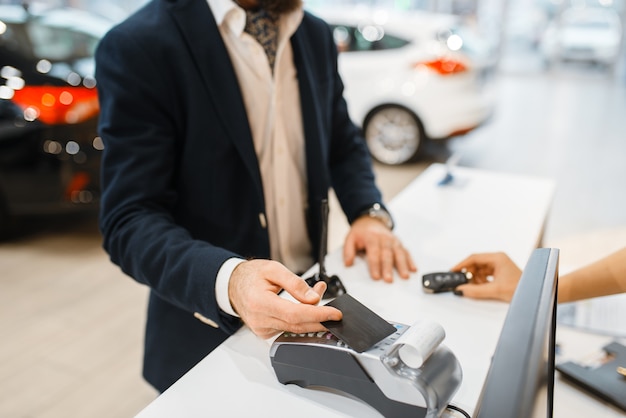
column 72, row 324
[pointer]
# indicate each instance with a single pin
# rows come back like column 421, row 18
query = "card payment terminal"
column 378, row 376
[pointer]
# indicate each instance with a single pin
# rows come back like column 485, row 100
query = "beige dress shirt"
column 272, row 103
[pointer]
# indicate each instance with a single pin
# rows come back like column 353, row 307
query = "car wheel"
column 394, row 134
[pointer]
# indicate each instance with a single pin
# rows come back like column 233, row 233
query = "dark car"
column 49, row 148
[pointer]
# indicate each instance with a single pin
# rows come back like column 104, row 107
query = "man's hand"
column 495, row 276
column 253, row 292
column 383, row 249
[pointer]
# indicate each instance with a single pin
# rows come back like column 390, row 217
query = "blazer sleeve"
column 344, row 149
column 138, row 127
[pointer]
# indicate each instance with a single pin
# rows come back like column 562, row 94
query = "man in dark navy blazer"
column 191, row 194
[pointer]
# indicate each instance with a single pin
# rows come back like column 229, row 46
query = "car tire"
column 394, row 134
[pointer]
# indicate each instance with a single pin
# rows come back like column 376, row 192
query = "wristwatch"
column 377, row 211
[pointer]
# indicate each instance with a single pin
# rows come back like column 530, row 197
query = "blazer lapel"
column 197, row 25
column 317, row 175
column 314, row 140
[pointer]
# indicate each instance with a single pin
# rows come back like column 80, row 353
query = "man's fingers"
column 384, row 251
column 303, row 328
column 270, row 313
column 384, row 254
column 403, row 261
column 320, row 288
column 295, row 317
column 374, row 255
column 254, row 286
column 299, row 288
column 349, row 250
column 386, row 261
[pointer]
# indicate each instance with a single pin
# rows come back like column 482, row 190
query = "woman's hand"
column 494, row 276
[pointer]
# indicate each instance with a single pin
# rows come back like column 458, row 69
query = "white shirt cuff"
column 221, row 285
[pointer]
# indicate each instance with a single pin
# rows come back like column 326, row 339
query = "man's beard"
column 280, row 6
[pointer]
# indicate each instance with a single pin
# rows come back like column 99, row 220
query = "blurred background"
column 530, row 87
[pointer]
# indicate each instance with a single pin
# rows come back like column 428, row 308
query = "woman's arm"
column 496, row 277
column 604, row 277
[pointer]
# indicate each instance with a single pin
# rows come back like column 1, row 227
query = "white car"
column 407, row 78
column 591, row 34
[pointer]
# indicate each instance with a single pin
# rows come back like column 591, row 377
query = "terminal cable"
column 456, row 408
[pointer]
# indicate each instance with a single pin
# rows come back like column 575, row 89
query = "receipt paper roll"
column 419, row 341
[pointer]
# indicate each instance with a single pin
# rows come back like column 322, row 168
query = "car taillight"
column 56, row 105
column 77, row 184
column 444, row 66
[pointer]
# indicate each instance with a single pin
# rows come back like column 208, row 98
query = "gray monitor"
column 520, row 381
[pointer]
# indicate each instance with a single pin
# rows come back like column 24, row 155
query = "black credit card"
column 360, row 328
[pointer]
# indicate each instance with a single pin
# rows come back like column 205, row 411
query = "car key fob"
column 444, row 281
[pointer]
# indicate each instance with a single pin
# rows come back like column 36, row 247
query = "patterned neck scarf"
column 263, row 26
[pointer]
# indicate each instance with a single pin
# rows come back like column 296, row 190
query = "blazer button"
column 262, row 220
column 206, row 320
